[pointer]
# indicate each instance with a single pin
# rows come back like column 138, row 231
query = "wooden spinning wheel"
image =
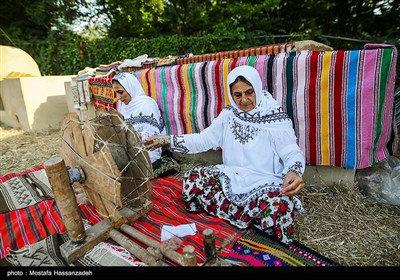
column 117, row 169
column 116, row 173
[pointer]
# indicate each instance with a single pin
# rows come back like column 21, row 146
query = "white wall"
column 33, row 103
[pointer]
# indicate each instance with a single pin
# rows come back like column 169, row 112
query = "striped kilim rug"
column 168, row 210
column 23, row 227
column 255, row 249
column 31, row 236
column 19, row 190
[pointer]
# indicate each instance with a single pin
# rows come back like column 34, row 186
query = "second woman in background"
column 143, row 113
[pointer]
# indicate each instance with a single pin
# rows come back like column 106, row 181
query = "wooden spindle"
column 65, row 198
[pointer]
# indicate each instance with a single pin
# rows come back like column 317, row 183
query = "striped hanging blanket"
column 341, row 102
column 102, row 92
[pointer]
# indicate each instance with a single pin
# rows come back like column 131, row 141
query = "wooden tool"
column 117, row 173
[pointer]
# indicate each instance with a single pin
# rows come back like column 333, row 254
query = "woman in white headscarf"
column 262, row 167
column 143, row 113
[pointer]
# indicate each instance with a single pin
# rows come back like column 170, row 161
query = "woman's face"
column 244, row 96
column 121, row 93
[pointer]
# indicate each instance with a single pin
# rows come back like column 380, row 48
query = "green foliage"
column 28, row 20
column 133, row 18
column 57, row 55
column 160, row 28
column 64, row 53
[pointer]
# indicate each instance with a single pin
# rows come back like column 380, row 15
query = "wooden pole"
column 169, row 253
column 189, row 256
column 65, row 198
column 134, row 248
column 209, row 245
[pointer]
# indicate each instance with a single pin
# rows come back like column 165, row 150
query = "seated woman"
column 143, row 113
column 262, row 167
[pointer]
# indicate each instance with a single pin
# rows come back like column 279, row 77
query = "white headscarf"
column 134, row 89
column 251, row 75
column 267, row 110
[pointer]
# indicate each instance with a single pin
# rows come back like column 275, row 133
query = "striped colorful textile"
column 168, row 210
column 24, row 189
column 102, row 92
column 37, row 230
column 254, row 249
column 341, row 102
column 9, row 176
column 22, row 227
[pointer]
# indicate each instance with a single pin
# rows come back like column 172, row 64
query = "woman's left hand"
column 292, row 184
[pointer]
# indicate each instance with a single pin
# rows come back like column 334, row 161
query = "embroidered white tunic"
column 258, row 147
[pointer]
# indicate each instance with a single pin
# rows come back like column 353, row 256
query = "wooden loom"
column 115, row 172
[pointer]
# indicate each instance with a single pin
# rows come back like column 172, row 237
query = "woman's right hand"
column 156, row 141
column 292, row 184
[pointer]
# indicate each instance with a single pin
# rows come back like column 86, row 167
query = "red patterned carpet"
column 31, row 228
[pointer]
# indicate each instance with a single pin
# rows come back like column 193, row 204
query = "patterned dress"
column 258, row 149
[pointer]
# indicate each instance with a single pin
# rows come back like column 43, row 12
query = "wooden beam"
column 72, row 251
column 65, row 198
column 169, row 253
column 135, row 249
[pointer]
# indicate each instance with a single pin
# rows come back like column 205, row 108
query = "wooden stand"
column 117, row 174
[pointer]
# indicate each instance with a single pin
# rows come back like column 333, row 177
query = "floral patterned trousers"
column 202, row 190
